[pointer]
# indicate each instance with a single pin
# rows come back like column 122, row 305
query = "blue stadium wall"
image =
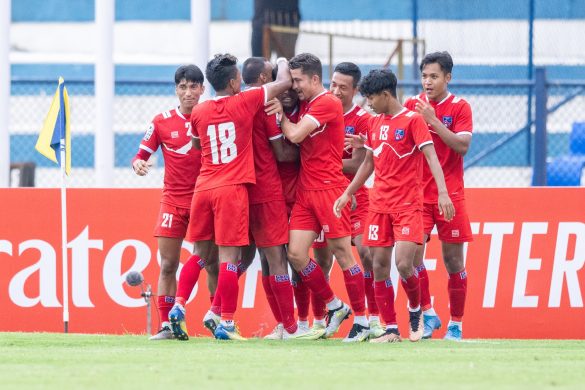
column 83, row 10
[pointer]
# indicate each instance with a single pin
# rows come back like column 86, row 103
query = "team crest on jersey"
column 349, row 130
column 149, row 132
column 447, row 121
column 398, row 134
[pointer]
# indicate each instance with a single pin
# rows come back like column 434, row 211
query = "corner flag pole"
column 54, row 143
column 64, row 239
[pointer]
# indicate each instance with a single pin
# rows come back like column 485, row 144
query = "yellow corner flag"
column 55, row 135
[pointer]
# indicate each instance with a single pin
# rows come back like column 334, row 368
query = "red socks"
column 302, row 298
column 188, row 278
column 384, row 293
column 266, row 283
column 227, row 289
column 354, row 284
column 457, row 288
column 412, row 288
column 283, row 295
column 370, row 297
column 425, row 294
column 319, row 307
column 313, row 276
column 165, row 304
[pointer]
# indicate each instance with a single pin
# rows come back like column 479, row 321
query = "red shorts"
column 357, row 219
column 172, row 221
column 456, row 231
column 313, row 210
column 220, row 214
column 385, row 229
column 269, row 223
column 360, row 214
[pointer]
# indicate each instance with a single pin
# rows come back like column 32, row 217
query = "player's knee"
column 295, row 257
column 381, row 270
column 405, row 268
column 168, row 267
column 366, row 258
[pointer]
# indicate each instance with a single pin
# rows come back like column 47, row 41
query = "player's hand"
column 354, row 203
column 354, row 141
column 141, row 167
column 425, row 109
column 273, row 106
column 340, row 203
column 446, row 208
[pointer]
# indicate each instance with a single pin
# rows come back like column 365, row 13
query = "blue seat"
column 565, row 171
column 577, row 139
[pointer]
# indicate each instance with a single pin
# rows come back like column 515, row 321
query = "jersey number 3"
column 225, row 133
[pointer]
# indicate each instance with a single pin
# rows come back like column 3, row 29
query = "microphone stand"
column 147, row 295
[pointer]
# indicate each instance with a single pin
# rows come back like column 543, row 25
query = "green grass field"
column 43, row 360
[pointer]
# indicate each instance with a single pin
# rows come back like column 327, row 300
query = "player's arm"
column 351, row 165
column 196, row 142
column 149, row 144
column 363, row 173
column 297, row 132
column 284, row 151
column 140, row 162
column 445, row 205
column 282, row 83
column 458, row 142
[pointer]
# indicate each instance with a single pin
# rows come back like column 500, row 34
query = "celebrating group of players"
column 281, row 167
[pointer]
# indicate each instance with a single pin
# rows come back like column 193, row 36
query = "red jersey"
column 170, row 131
column 268, row 185
column 322, row 149
column 356, row 123
column 396, row 142
column 224, row 127
column 289, row 170
column 455, row 114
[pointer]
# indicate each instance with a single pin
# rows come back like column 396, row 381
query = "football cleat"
column 304, row 334
column 224, row 332
column 416, row 328
column 178, row 325
column 357, row 333
column 431, row 323
column 335, row 317
column 304, row 325
column 454, row 333
column 165, row 333
column 376, row 329
column 276, row 333
column 391, row 335
column 210, row 321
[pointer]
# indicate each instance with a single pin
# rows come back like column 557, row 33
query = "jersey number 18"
column 227, row 151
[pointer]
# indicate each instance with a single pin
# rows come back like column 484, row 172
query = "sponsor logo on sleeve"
column 149, row 132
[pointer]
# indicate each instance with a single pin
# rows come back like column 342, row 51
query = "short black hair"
column 189, row 73
column 252, row 69
column 349, row 69
column 309, row 64
column 378, row 81
column 442, row 58
column 220, row 70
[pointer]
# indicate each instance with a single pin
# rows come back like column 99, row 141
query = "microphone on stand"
column 135, row 278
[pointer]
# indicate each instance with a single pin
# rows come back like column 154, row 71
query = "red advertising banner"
column 525, row 266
